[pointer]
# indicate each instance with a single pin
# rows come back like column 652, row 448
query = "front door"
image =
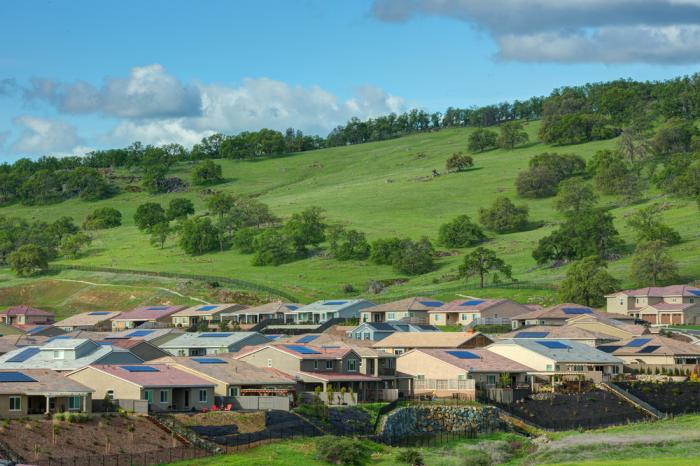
column 187, row 398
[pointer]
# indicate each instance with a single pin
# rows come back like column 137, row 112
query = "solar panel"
column 215, row 335
column 531, row 334
column 140, row 369
column 302, row 349
column 60, row 337
column 15, row 377
column 38, row 329
column 554, row 344
column 334, row 303
column 139, row 333
column 104, row 343
column 98, row 313
column 274, row 337
column 637, row 342
column 577, row 310
column 381, row 326
column 695, row 292
column 432, row 303
column 463, row 354
column 648, row 349
column 307, row 339
column 292, row 308
column 607, row 348
column 473, row 302
column 209, row 360
column 24, row 355
column 157, row 308
column 207, row 308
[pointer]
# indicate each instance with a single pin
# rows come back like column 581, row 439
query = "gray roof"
column 208, row 339
column 572, row 352
column 334, row 305
column 89, row 353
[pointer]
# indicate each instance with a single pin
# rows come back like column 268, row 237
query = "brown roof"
column 425, row 340
column 153, row 312
column 46, row 382
column 163, row 376
column 669, row 306
column 273, row 307
column 663, row 346
column 469, row 305
column 86, row 319
column 319, row 352
column 558, row 332
column 232, row 371
column 558, row 312
column 340, row 376
column 487, row 361
column 408, row 304
column 25, row 310
column 660, row 291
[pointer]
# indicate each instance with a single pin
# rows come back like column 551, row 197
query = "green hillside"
column 384, row 189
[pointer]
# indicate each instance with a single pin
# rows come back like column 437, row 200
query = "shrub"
column 458, row 162
column 342, row 451
column 29, row 260
column 207, row 172
column 149, row 214
column 460, row 233
column 411, row 456
column 504, row 216
column 198, row 235
column 481, row 139
column 243, row 240
column 103, row 218
column 477, row 458
column 383, row 250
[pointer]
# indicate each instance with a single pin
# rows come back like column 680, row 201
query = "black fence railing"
column 163, row 456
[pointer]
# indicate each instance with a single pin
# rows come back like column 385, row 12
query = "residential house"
column 203, row 343
column 561, row 332
column 413, row 310
column 98, row 321
column 207, row 313
column 476, row 311
column 166, row 388
column 25, row 315
column 277, row 310
column 12, row 342
column 378, row 330
column 654, row 352
column 233, row 377
column 314, row 366
column 144, row 350
column 598, row 323
column 155, row 336
column 675, row 304
column 44, row 330
column 143, row 314
column 446, row 372
column 559, row 358
column 322, row 311
column 41, row 391
column 559, row 315
column 66, row 354
column 399, row 343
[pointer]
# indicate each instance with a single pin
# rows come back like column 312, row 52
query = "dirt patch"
column 34, row 439
column 671, row 397
column 246, row 422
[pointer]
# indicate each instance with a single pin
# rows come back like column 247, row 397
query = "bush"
column 477, row 458
column 198, row 235
column 383, row 250
column 342, row 451
column 458, row 162
column 348, row 244
column 99, row 219
column 504, row 216
column 411, row 456
column 460, row 233
column 243, row 240
column 481, row 139
column 414, row 258
column 179, row 208
column 207, row 172
column 29, row 260
column 149, row 214
column 273, row 247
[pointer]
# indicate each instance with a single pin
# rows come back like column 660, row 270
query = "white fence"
column 443, row 385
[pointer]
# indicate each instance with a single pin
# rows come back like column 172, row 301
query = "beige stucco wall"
column 101, row 382
column 523, row 356
column 280, row 360
column 602, row 328
column 416, row 362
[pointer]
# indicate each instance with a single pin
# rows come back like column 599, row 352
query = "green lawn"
column 381, row 188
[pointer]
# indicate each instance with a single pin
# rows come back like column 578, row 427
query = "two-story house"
column 203, row 343
column 204, row 314
column 666, row 305
column 321, row 311
column 476, row 311
column 412, row 310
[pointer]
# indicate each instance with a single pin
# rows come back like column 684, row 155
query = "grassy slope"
column 373, row 187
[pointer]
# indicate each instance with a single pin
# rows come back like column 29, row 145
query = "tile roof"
column 43, row 359
column 574, row 351
column 142, row 333
column 208, row 339
column 560, row 311
column 425, row 339
column 153, row 312
column 333, row 305
column 655, row 345
column 469, row 305
column 233, row 371
column 164, row 376
column 660, row 291
column 487, row 361
column 46, row 382
column 207, row 309
column 25, row 310
column 339, row 376
column 557, row 332
column 86, row 319
column 409, row 304
column 315, row 352
column 669, row 306
column 273, row 307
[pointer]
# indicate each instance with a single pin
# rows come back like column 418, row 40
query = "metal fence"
column 163, row 456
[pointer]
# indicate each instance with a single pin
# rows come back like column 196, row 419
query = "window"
column 622, row 301
column 391, row 316
column 74, row 403
column 437, row 317
column 461, row 377
column 269, row 363
column 148, row 396
column 329, row 365
column 15, row 403
column 163, row 396
column 398, row 351
column 475, row 316
column 315, row 364
column 110, row 395
column 181, row 352
column 578, row 368
column 352, row 365
column 368, row 336
column 549, row 367
column 464, row 317
column 234, row 391
column 58, row 354
column 202, row 396
column 491, row 379
column 420, row 376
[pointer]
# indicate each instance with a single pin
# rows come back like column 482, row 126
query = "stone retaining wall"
column 420, row 420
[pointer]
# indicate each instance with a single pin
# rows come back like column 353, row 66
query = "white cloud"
column 45, row 136
column 606, row 31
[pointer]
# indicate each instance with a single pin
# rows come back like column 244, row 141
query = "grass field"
column 381, row 188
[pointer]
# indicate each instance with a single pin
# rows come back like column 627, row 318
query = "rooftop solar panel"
column 207, row 308
column 607, row 348
column 302, row 349
column 307, row 339
column 531, row 334
column 139, row 333
column 209, row 360
column 463, row 354
column 432, row 303
column 637, row 342
column 24, row 355
column 382, row 326
column 60, row 337
column 473, row 302
column 157, row 308
column 98, row 313
column 140, row 368
column 38, row 328
column 577, row 310
column 648, row 349
column 215, row 335
column 292, row 308
column 104, row 343
column 553, row 344
column 274, row 337
column 695, row 292
column 15, row 377
column 334, row 303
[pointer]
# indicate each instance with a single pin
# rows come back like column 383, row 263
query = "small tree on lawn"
column 160, row 233
column 29, row 260
column 459, row 162
column 483, row 262
column 481, row 139
column 652, row 263
column 512, row 135
column 149, row 214
column 587, row 282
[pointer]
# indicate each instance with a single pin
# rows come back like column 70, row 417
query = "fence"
column 168, row 455
column 443, row 385
column 258, row 403
column 204, row 278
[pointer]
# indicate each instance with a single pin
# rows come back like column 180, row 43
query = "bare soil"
column 246, row 422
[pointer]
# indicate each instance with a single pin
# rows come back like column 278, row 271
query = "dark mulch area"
column 668, row 397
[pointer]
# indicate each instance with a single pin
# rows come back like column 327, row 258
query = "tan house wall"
column 60, row 405
column 280, row 360
column 602, row 328
column 101, row 382
column 5, row 407
column 417, row 363
column 220, row 388
column 523, row 356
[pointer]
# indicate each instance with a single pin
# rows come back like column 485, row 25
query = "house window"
column 622, row 301
column 464, row 317
column 491, row 379
column 148, row 396
column 420, row 376
column 269, row 363
column 329, row 365
column 368, row 336
column 352, row 365
column 234, row 391
column 15, row 403
column 163, row 396
column 74, row 403
column 549, row 367
column 398, row 351
column 475, row 316
column 315, row 364
column 578, row 368
column 110, row 395
column 391, row 316
column 461, row 377
column 202, row 396
column 181, row 352
column 437, row 317
column 58, row 354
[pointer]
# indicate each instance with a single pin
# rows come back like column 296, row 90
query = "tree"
column 273, row 247
column 29, row 260
column 545, row 172
column 198, row 236
column 504, row 216
column 647, row 223
column 481, row 139
column 458, row 162
column 306, row 229
column 483, row 262
column 160, row 233
column 348, row 244
column 460, row 233
column 89, row 184
column 179, row 208
column 574, row 196
column 587, row 282
column 512, row 135
column 612, row 175
column 384, row 250
column 105, row 217
column 72, row 244
column 207, row 172
column 652, row 264
column 414, row 258
column 149, row 214
column 62, row 227
column 220, row 203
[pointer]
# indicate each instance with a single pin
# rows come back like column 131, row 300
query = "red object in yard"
column 214, row 408
column 205, row 410
column 228, row 407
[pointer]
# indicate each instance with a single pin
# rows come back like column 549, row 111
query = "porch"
column 51, row 403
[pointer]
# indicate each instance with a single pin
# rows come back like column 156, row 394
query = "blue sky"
column 78, row 75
